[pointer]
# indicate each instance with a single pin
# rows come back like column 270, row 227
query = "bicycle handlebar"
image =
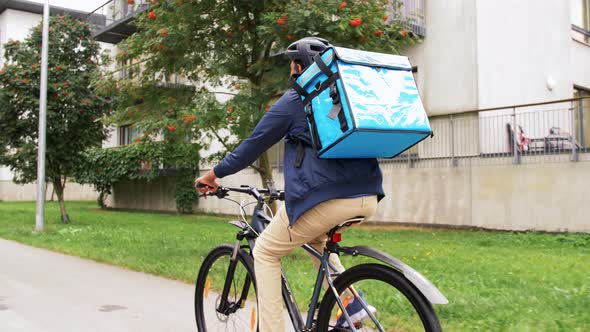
column 259, row 194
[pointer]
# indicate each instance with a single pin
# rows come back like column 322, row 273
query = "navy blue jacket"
column 316, row 180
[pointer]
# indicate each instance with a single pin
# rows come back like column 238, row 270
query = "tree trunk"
column 59, row 191
column 265, row 171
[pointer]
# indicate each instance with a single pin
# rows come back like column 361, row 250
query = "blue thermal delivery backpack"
column 361, row 104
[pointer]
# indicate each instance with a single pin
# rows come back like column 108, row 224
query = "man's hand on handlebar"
column 206, row 183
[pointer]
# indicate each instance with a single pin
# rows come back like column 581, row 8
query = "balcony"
column 37, row 8
column 113, row 21
column 412, row 15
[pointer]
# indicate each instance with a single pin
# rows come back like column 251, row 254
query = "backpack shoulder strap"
column 293, row 83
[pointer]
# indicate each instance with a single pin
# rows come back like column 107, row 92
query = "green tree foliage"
column 104, row 168
column 231, row 46
column 73, row 107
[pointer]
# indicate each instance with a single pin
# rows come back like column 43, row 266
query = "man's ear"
column 299, row 68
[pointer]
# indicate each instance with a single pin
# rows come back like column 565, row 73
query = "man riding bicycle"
column 319, row 193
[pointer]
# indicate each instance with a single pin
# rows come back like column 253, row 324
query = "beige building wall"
column 543, row 197
column 10, row 191
column 481, row 54
column 156, row 195
column 549, row 195
column 523, row 51
column 447, row 57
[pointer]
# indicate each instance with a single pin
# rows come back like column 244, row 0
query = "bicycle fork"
column 226, row 307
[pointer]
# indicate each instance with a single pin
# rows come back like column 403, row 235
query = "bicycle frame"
column 259, row 221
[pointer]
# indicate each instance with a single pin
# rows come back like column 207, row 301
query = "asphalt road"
column 43, row 291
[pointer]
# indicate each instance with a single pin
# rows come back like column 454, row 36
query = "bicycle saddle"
column 349, row 222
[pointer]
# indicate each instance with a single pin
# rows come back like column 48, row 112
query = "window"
column 582, row 116
column 124, row 68
column 127, row 134
column 580, row 15
column 172, row 78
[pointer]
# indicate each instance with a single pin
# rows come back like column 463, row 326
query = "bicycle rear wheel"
column 238, row 310
column 394, row 302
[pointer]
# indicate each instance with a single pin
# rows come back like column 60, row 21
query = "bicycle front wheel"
column 392, row 300
column 236, row 311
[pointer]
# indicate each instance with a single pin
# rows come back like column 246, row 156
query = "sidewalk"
column 43, row 291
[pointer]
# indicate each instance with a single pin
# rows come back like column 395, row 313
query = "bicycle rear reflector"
column 253, row 319
column 337, row 237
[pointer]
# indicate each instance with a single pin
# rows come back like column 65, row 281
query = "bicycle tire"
column 207, row 297
column 391, row 278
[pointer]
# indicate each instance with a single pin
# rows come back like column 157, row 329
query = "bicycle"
column 225, row 289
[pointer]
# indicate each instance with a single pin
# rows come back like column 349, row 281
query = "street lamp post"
column 40, row 216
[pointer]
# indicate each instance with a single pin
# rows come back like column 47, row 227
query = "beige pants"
column 276, row 242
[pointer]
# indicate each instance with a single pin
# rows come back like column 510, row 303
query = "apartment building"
column 480, row 55
column 483, row 54
column 474, row 55
column 503, row 83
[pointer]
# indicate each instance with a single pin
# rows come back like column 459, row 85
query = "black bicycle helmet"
column 304, row 50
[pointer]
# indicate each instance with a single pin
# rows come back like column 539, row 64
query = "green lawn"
column 495, row 281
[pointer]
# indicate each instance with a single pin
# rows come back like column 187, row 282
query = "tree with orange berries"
column 73, row 106
column 230, row 47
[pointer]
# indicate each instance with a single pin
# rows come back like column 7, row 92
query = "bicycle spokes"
column 373, row 305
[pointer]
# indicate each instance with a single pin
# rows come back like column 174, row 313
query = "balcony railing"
column 538, row 133
column 581, row 34
column 551, row 132
column 111, row 22
column 411, row 14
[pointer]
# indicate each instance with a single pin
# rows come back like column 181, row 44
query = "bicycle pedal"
column 357, row 325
